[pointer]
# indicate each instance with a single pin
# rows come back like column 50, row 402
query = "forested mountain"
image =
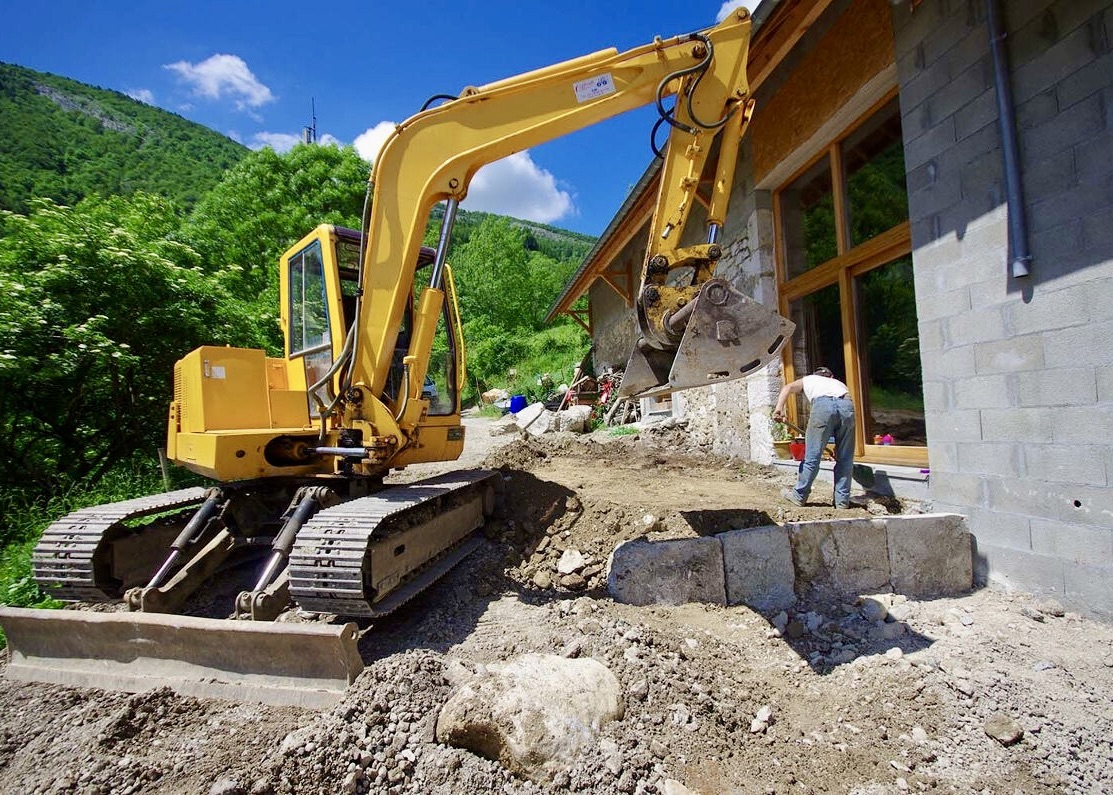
column 64, row 140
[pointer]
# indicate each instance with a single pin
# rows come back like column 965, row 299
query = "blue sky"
column 250, row 70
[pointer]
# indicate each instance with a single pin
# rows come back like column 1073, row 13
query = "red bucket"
column 796, row 449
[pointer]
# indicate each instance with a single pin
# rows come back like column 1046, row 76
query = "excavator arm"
column 433, row 156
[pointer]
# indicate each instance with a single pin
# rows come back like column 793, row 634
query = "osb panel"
column 857, row 47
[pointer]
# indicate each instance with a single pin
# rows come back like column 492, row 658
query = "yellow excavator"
column 297, row 447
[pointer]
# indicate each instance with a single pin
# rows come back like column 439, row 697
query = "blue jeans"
column 830, row 416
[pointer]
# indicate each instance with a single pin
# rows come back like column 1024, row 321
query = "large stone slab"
column 930, row 555
column 758, row 566
column 674, row 572
column 840, row 557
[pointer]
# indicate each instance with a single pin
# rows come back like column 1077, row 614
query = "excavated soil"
column 987, row 692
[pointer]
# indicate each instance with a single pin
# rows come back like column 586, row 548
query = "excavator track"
column 63, row 563
column 368, row 556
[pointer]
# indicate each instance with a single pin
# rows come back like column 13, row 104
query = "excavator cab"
column 326, row 263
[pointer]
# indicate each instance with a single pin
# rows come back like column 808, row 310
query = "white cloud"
column 730, row 5
column 279, row 142
column 518, row 187
column 224, row 76
column 326, row 139
column 370, row 142
column 514, row 186
column 144, row 95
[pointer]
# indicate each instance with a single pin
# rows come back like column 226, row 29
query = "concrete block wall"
column 1018, row 396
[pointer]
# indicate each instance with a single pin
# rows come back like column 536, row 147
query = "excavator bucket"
column 729, row 335
column 283, row 664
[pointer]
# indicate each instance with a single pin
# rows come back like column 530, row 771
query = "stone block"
column 841, row 557
column 758, row 566
column 988, row 458
column 930, row 555
column 672, row 572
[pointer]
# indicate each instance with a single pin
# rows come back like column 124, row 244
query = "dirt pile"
column 875, row 695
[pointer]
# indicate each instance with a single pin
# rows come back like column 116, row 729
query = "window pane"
column 889, row 351
column 808, row 216
column 309, row 326
column 817, row 340
column 873, row 157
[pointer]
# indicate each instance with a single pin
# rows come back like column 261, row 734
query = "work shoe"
column 843, row 505
column 792, row 496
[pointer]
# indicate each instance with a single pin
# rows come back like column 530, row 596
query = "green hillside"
column 65, row 140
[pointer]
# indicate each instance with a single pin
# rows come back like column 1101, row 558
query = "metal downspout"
column 1006, row 120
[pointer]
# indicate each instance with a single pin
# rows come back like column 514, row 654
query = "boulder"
column 533, row 714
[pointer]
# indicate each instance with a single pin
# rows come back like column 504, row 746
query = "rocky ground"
column 986, row 692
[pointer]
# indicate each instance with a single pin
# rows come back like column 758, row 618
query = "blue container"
column 517, row 403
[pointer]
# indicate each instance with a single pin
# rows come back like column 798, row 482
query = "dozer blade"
column 284, row 664
column 729, row 335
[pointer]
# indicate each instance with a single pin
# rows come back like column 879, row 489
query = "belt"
column 832, row 397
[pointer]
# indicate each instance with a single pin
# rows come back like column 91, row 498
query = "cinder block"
column 966, row 84
column 1064, row 502
column 982, row 392
column 958, row 488
column 840, row 557
column 956, row 426
column 758, row 566
column 1009, row 356
column 1089, row 589
column 1037, row 574
column 979, row 112
column 988, row 458
column 1085, row 544
column 1048, row 310
column 924, row 147
column 1066, row 463
column 931, row 304
column 930, row 555
column 1018, row 425
column 667, row 572
column 1059, row 250
column 1038, row 66
column 999, row 529
column 1050, row 176
column 1105, row 385
column 970, row 50
column 1059, row 208
column 1088, row 345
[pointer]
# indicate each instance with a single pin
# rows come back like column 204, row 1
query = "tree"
column 261, row 207
column 96, row 305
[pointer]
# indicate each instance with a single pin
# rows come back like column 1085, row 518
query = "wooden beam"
column 624, row 294
column 579, row 316
column 630, row 225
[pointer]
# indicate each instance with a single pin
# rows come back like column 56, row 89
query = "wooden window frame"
column 848, row 264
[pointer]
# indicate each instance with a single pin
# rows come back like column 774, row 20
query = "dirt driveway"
column 985, row 693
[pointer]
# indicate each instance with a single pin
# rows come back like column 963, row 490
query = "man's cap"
column 824, row 371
